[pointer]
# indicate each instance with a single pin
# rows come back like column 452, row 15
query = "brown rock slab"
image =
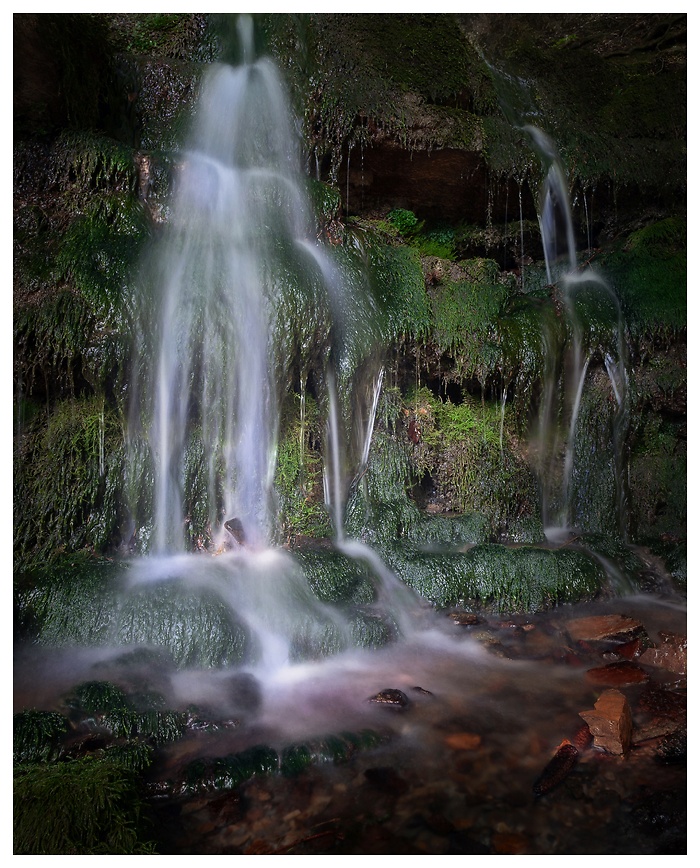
column 671, row 654
column 598, row 628
column 463, row 740
column 610, row 722
column 617, row 674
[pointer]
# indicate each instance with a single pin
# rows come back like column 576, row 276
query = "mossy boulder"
column 500, row 578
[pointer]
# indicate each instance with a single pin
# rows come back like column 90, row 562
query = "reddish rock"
column 610, row 722
column 597, row 628
column 463, row 740
column 582, row 738
column 662, row 703
column 464, row 619
column 631, row 649
column 556, row 769
column 617, row 674
column 671, row 655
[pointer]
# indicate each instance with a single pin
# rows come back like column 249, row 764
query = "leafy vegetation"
column 86, row 806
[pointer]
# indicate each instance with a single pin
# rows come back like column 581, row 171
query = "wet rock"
column 597, row 628
column 235, row 527
column 610, row 722
column 464, row 619
column 582, row 738
column 673, row 748
column 670, row 655
column 628, row 650
column 662, row 703
column 463, row 740
column 617, row 674
column 660, row 812
column 390, row 697
column 226, row 809
column 198, row 719
column 422, row 691
column 557, row 769
column 243, row 690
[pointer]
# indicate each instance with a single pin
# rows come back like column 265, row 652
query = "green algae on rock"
column 499, row 578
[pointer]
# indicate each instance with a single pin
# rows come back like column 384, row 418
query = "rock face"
column 610, row 722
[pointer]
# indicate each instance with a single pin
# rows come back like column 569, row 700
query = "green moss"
column 464, row 317
column 67, row 480
column 299, row 476
column 494, row 577
column 71, row 602
column 658, row 481
column 79, row 807
column 334, row 577
column 531, row 335
column 398, row 286
column 50, row 338
column 195, row 627
column 649, row 272
column 98, row 251
column 37, row 736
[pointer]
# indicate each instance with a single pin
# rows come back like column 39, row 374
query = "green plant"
column 79, row 807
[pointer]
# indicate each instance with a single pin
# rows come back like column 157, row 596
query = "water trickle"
column 596, row 331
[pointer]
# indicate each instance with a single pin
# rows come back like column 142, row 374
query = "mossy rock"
column 103, row 705
column 334, row 577
column 195, row 626
column 500, row 578
column 69, row 603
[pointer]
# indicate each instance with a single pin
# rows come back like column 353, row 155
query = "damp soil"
column 471, row 714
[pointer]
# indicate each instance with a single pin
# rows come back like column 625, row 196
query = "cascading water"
column 239, row 243
column 238, row 210
column 596, row 326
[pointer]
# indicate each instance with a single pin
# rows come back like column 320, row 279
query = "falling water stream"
column 210, row 363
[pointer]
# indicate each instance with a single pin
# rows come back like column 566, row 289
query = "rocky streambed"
column 562, row 733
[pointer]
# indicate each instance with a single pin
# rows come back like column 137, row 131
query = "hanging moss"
column 99, row 250
column 658, row 480
column 68, row 481
column 398, row 286
column 531, row 335
column 86, row 806
column 299, row 477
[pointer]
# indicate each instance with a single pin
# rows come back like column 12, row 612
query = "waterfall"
column 591, row 334
column 238, row 207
